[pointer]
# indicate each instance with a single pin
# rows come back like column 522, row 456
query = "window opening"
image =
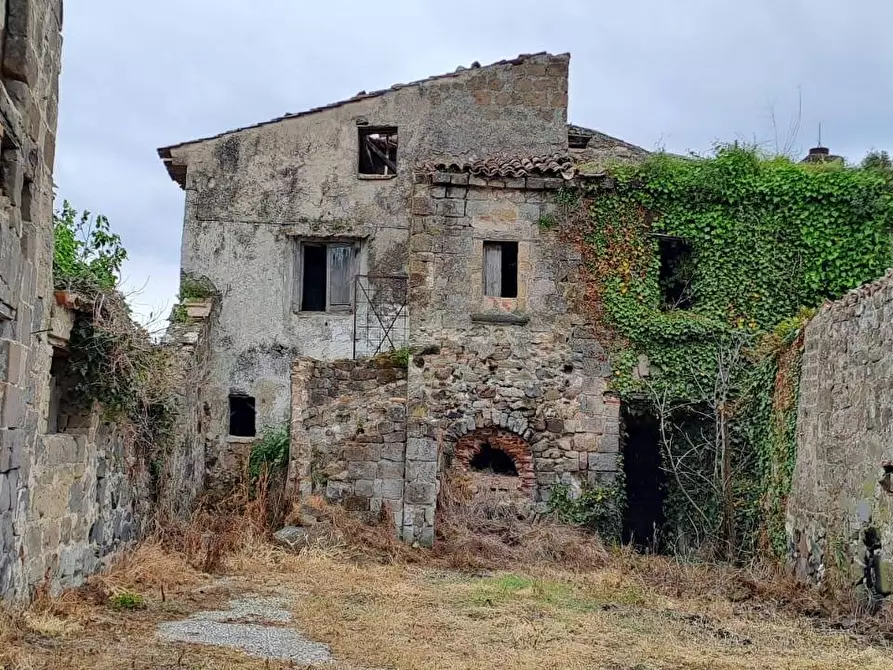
column 578, row 141
column 501, row 269
column 378, row 151
column 325, row 276
column 242, row 416
column 676, row 272
column 495, row 461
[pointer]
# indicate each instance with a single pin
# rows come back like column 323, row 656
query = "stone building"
column 414, row 217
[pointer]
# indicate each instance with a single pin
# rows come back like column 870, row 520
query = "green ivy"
column 766, row 237
column 599, row 508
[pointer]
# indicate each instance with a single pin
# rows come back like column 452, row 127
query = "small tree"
column 86, row 255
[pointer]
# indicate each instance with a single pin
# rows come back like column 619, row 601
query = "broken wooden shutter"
column 340, row 274
column 492, row 269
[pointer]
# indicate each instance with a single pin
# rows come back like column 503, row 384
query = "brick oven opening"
column 498, row 461
column 644, row 475
column 493, row 461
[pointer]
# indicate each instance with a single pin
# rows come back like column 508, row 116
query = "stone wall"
column 253, row 196
column 527, row 365
column 348, row 433
column 841, row 486
column 30, row 55
column 186, row 466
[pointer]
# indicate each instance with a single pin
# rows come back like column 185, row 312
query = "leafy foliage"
column 127, row 600
column 766, row 237
column 87, row 256
column 270, row 453
column 599, row 508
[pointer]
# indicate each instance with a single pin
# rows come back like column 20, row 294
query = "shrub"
column 270, row 453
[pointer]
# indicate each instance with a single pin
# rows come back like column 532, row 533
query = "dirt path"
column 324, row 609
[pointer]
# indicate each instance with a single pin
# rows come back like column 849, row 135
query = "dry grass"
column 495, row 592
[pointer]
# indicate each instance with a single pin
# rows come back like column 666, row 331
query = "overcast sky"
column 680, row 75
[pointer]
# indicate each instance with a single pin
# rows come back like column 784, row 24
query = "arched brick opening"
column 485, row 443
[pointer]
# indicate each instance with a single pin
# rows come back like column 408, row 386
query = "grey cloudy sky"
column 679, row 75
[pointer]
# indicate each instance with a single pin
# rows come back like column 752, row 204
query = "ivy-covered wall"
column 700, row 273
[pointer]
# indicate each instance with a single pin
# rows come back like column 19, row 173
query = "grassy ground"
column 630, row 612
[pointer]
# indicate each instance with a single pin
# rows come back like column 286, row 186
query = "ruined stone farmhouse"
column 411, row 217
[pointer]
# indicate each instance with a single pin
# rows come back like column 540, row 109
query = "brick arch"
column 515, row 446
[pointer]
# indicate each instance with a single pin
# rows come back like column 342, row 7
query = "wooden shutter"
column 340, row 275
column 492, row 269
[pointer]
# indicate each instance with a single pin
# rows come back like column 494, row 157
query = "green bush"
column 87, row 256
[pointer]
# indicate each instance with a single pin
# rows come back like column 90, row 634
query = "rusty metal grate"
column 381, row 314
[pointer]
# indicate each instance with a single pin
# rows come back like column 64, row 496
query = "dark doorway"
column 493, row 460
column 644, row 475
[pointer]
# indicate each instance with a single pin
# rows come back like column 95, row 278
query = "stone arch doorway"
column 499, row 460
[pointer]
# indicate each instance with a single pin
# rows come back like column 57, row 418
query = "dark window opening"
column 242, row 416
column 326, row 276
column 27, row 186
column 676, row 272
column 495, row 461
column 313, row 298
column 644, row 475
column 378, row 151
column 58, row 368
column 501, row 269
column 578, row 141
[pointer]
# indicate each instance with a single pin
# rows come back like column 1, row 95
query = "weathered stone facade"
column 31, row 52
column 526, row 365
column 841, row 502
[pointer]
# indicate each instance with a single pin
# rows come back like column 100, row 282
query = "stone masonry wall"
column 348, row 433
column 527, row 365
column 841, row 486
column 88, row 485
column 30, row 51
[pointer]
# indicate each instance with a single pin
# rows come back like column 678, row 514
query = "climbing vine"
column 696, row 271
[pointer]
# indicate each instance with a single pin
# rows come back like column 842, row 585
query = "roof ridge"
column 164, row 152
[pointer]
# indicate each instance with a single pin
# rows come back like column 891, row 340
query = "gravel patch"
column 254, row 625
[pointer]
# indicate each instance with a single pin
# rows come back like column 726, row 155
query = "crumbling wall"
column 30, row 59
column 841, row 488
column 527, row 364
column 182, row 476
column 348, row 433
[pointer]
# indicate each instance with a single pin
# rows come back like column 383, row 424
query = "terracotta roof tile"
column 549, row 165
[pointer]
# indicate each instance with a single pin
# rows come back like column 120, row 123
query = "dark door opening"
column 493, row 460
column 644, row 475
